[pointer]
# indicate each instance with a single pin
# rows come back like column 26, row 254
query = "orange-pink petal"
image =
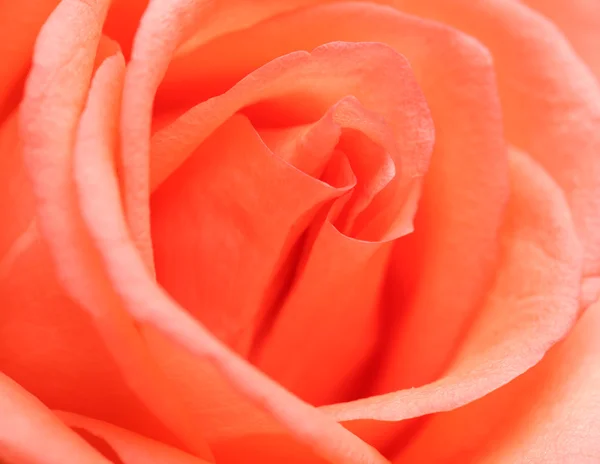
column 32, row 434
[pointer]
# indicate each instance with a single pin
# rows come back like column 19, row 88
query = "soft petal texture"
column 550, row 99
column 239, row 206
column 16, row 199
column 31, row 434
column 124, row 446
column 579, row 20
column 461, row 179
column 235, row 406
column 163, row 27
column 217, row 388
column 49, row 118
column 533, row 304
column 283, row 88
column 43, row 332
column 20, row 23
column 548, row 415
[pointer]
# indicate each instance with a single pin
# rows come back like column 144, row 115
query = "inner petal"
column 269, row 221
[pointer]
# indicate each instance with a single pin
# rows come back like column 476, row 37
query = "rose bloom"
column 299, row 231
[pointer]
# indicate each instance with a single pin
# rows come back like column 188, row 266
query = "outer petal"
column 54, row 98
column 31, row 434
column 550, row 99
column 579, row 20
column 532, row 305
column 548, row 415
column 124, row 446
column 232, row 404
column 163, row 27
column 456, row 75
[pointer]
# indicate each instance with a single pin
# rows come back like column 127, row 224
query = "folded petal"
column 429, row 307
column 240, row 207
column 32, row 434
column 123, row 446
column 459, row 175
column 533, row 304
column 55, row 97
column 20, row 23
column 548, row 415
column 236, row 407
column 579, row 20
column 550, row 99
column 16, row 198
column 230, row 403
column 163, row 27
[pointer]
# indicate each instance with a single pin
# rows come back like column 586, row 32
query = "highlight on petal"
column 549, row 414
column 234, row 403
column 29, row 432
column 550, row 99
column 163, row 27
column 533, row 304
column 579, row 20
column 54, row 99
column 217, row 388
column 124, row 446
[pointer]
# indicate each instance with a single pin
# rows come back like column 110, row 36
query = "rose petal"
column 336, row 291
column 30, row 433
column 16, row 200
column 287, row 78
column 550, row 99
column 579, row 20
column 459, row 179
column 53, row 102
column 240, row 207
column 230, row 401
column 163, row 27
column 123, row 20
column 549, row 414
column 234, row 404
column 20, row 23
column 534, row 302
column 126, row 447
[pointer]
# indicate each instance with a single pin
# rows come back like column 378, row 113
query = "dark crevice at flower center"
column 100, row 444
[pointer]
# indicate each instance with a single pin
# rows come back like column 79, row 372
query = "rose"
column 502, row 260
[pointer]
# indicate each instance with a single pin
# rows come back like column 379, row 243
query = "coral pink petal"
column 242, row 208
column 456, row 75
column 163, row 27
column 533, row 304
column 401, row 141
column 234, row 404
column 123, row 20
column 16, row 199
column 336, row 291
column 579, row 20
column 54, row 100
column 32, row 434
column 550, row 99
column 548, row 415
column 20, row 23
column 282, row 93
column 123, row 446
